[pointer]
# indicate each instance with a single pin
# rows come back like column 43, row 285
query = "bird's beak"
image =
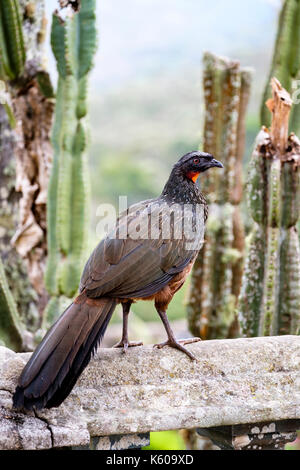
column 216, row 163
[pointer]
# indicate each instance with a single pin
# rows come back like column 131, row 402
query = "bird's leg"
column 172, row 341
column 124, row 343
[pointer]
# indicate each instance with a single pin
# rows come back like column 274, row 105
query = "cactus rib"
column 12, row 49
column 73, row 43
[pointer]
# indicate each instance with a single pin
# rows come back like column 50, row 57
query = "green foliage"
column 147, row 312
column 165, row 440
column 73, row 43
column 12, row 50
column 121, row 175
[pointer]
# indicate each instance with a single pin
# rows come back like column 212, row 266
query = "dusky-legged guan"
column 150, row 262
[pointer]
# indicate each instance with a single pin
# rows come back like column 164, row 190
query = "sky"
column 137, row 38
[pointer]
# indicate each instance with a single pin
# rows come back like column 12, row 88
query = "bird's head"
column 194, row 163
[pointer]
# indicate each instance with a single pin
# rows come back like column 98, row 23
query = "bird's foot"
column 127, row 344
column 177, row 344
column 189, row 340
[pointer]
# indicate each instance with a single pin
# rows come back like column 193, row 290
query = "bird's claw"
column 127, row 344
column 177, row 344
column 189, row 340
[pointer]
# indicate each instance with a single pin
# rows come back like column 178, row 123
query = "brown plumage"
column 122, row 270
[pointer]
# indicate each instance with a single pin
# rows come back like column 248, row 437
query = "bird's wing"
column 146, row 259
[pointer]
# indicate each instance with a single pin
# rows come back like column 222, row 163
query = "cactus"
column 12, row 49
column 270, row 297
column 73, row 43
column 25, row 120
column 216, row 277
column 286, row 60
column 11, row 328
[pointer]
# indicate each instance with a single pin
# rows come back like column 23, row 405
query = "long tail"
column 54, row 367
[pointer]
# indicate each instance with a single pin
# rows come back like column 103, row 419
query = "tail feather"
column 81, row 361
column 56, row 364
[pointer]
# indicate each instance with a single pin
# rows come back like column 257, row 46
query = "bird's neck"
column 180, row 189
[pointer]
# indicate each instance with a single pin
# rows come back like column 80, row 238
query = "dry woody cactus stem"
column 270, row 297
column 25, row 121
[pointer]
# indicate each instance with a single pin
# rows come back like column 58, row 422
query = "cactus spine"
column 216, row 277
column 286, row 60
column 73, row 43
column 270, row 297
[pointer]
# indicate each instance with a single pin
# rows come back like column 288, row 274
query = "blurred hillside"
column 140, row 129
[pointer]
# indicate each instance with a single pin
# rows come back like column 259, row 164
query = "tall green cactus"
column 216, row 277
column 73, row 43
column 286, row 60
column 270, row 297
column 12, row 49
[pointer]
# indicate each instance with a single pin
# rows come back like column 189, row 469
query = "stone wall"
column 121, row 397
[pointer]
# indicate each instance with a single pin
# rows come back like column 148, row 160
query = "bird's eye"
column 196, row 160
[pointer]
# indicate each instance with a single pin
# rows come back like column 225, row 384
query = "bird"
column 131, row 263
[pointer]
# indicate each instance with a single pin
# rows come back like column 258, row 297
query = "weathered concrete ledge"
column 233, row 382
